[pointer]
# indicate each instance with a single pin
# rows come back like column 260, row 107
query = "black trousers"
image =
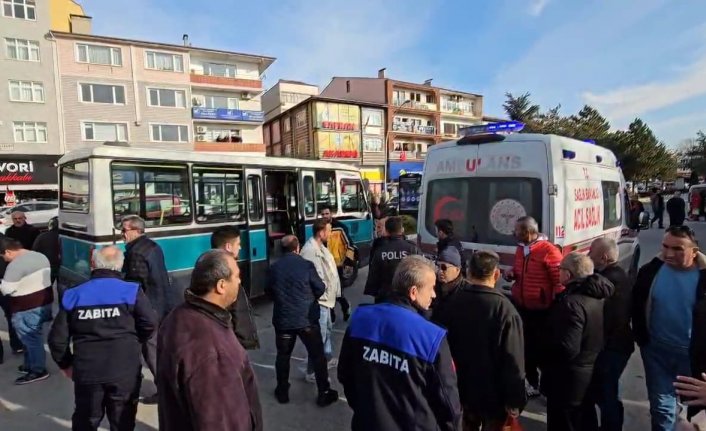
column 149, row 353
column 659, row 215
column 311, row 337
column 534, row 324
column 117, row 400
column 564, row 417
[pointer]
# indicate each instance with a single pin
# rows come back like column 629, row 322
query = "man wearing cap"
column 449, row 280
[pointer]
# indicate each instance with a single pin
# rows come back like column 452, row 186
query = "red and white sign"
column 588, row 211
column 337, row 125
column 10, row 198
column 340, row 154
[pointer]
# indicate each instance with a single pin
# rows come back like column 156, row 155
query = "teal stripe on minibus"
column 361, row 230
column 180, row 252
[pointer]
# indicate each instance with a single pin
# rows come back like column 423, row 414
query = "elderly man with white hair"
column 575, row 338
column 105, row 319
column 619, row 343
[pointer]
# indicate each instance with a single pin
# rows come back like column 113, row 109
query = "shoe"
column 19, row 351
column 32, row 377
column 150, row 400
column 327, row 398
column 332, row 363
column 282, row 394
column 22, row 369
column 532, row 392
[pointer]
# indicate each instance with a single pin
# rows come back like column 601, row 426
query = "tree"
column 588, row 124
column 521, row 109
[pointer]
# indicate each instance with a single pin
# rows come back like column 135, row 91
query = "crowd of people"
column 438, row 347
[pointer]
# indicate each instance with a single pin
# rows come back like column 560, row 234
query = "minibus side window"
column 326, row 190
column 75, row 187
column 254, row 198
column 352, row 196
column 309, row 204
column 219, row 195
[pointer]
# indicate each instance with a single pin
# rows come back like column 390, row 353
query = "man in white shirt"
column 316, row 252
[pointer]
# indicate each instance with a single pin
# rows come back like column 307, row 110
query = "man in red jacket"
column 536, row 276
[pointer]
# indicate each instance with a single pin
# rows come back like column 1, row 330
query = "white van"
column 485, row 182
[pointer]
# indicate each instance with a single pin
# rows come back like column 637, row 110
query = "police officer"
column 106, row 319
column 386, row 257
column 390, row 348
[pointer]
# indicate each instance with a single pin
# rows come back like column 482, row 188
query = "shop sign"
column 337, row 125
column 340, row 154
column 28, row 170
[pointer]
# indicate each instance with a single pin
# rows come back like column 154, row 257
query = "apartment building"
column 31, row 139
column 284, row 95
column 330, row 129
column 417, row 115
column 158, row 95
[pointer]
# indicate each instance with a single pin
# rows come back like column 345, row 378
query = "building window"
column 275, row 132
column 372, row 118
column 221, row 102
column 166, row 98
column 287, row 124
column 209, row 134
column 164, row 61
column 22, row 49
column 26, row 91
column 372, row 145
column 301, row 118
column 169, row 133
column 30, row 131
column 449, row 129
column 266, row 134
column 430, row 98
column 22, row 9
column 103, row 132
column 101, row 93
column 225, row 70
column 98, row 54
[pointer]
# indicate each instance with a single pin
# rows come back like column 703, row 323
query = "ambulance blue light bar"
column 484, row 129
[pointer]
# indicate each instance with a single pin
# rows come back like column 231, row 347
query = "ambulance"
column 487, row 179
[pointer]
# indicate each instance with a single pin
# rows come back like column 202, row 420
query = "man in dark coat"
column 295, row 288
column 395, row 366
column 22, row 231
column 669, row 320
column 387, row 256
column 228, row 238
column 48, row 244
column 144, row 264
column 575, row 339
column 447, row 238
column 204, row 377
column 449, row 280
column 486, row 341
column 104, row 320
column 676, row 208
column 619, row 343
column 657, row 202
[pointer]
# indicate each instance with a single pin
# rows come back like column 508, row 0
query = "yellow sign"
column 338, row 145
column 337, row 116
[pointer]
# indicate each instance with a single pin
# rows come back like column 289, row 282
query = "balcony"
column 464, row 109
column 414, row 106
column 415, row 129
column 223, row 81
column 223, row 114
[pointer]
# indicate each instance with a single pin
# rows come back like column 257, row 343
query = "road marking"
column 534, row 416
column 17, row 407
column 269, row 367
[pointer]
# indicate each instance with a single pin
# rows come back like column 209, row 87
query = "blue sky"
column 628, row 58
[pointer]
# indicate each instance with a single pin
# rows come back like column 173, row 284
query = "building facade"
column 31, row 138
column 159, row 95
column 284, row 95
column 334, row 130
column 416, row 116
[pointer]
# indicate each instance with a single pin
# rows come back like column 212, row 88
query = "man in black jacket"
column 295, row 288
column 669, row 320
column 48, row 244
column 105, row 319
column 144, row 264
column 447, row 238
column 228, row 238
column 575, row 339
column 21, row 230
column 486, row 341
column 449, row 280
column 386, row 258
column 676, row 208
column 657, row 202
column 619, row 343
column 395, row 366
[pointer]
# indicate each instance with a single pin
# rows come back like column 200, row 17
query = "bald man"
column 106, row 319
column 619, row 343
column 295, row 288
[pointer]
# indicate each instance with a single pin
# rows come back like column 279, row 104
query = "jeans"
column 311, row 337
column 326, row 327
column 606, row 374
column 662, row 365
column 29, row 325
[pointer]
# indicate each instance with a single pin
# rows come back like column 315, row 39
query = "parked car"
column 38, row 213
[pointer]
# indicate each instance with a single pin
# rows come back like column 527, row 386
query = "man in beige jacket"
column 316, row 252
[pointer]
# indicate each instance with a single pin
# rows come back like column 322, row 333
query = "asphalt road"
column 48, row 405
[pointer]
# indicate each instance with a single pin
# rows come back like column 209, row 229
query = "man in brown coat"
column 204, row 378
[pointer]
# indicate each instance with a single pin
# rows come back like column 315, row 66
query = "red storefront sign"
column 340, row 154
column 18, row 169
column 16, row 172
column 336, row 125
